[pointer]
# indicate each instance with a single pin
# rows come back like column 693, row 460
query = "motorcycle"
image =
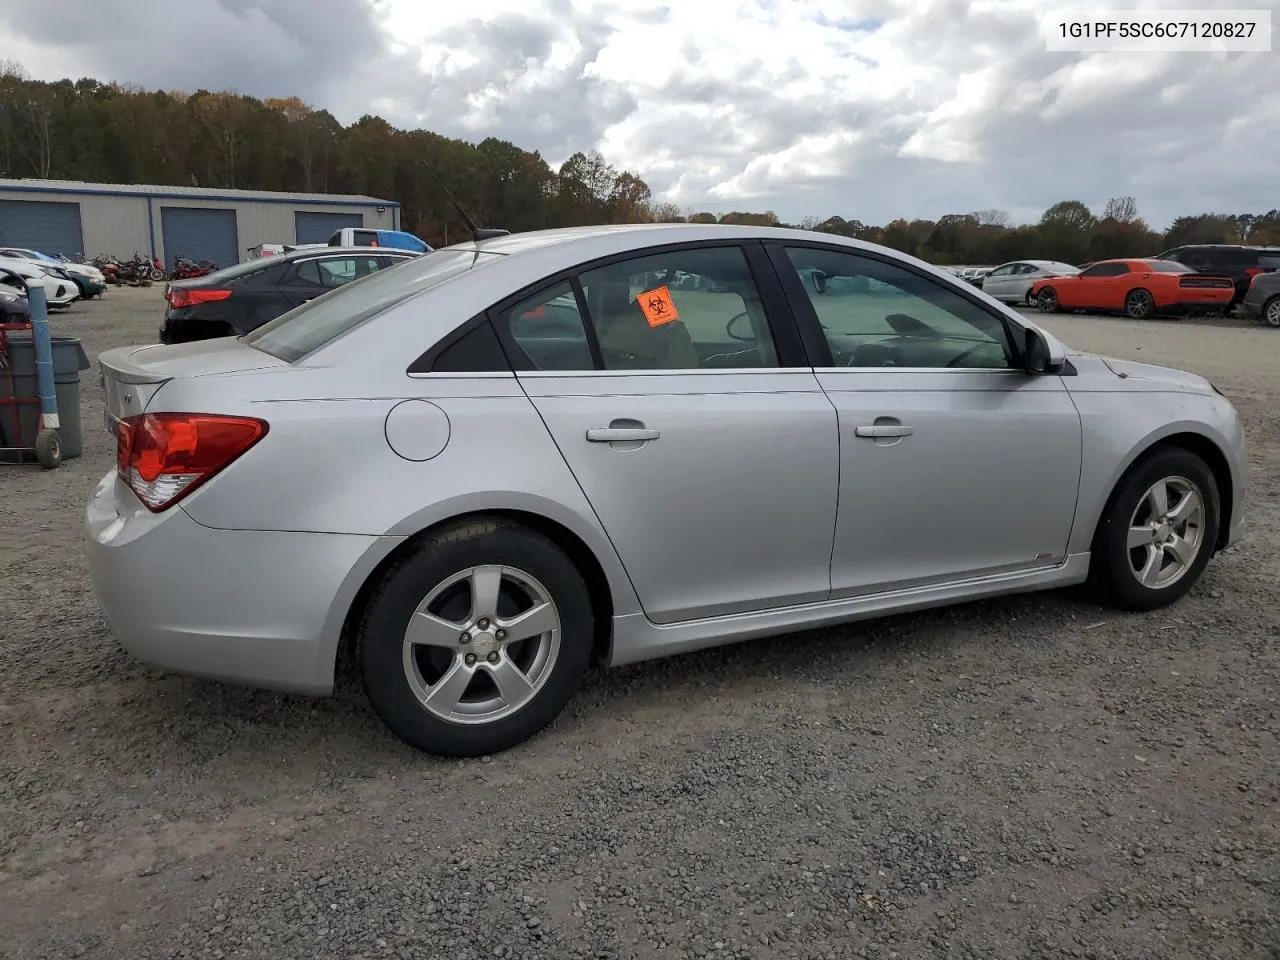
column 184, row 268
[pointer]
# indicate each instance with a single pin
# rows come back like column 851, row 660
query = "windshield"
column 293, row 335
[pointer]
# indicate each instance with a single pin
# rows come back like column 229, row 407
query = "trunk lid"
column 131, row 376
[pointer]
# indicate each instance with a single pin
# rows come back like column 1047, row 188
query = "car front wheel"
column 1158, row 531
column 475, row 640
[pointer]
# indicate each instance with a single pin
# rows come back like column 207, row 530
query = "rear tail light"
column 189, row 298
column 165, row 456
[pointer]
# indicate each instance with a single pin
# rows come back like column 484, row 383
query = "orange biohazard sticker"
column 657, row 306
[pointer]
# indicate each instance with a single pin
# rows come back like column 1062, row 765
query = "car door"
column 1093, row 288
column 999, row 282
column 675, row 385
column 954, row 463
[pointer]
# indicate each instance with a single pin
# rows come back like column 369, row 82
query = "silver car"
column 1011, row 282
column 482, row 471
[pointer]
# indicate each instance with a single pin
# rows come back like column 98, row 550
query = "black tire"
column 1047, row 300
column 1111, row 564
column 1031, row 298
column 48, row 449
column 1139, row 304
column 380, row 640
column 1271, row 313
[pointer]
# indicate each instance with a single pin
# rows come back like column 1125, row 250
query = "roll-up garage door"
column 311, row 227
column 47, row 226
column 200, row 233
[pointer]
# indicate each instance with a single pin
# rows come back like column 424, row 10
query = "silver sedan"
column 1011, row 282
column 482, row 471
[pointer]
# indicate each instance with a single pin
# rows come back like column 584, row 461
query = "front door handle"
column 880, row 431
column 621, row 434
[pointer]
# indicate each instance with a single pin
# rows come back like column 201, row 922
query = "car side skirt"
column 635, row 638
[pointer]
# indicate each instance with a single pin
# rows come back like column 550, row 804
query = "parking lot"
column 1021, row 778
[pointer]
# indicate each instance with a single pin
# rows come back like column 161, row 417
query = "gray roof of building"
column 194, row 193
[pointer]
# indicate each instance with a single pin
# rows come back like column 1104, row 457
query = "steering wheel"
column 728, row 327
column 955, row 361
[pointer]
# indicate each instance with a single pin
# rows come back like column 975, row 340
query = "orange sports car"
column 1136, row 288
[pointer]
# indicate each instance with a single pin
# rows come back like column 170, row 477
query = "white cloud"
column 867, row 108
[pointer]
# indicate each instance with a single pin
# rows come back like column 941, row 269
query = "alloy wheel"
column 1138, row 304
column 482, row 644
column 1166, row 532
column 1271, row 315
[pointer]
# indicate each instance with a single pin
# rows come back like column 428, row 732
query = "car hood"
column 1094, row 372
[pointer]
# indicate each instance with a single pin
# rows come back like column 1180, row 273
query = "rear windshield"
column 293, row 335
column 1168, row 266
column 233, row 273
column 1269, row 259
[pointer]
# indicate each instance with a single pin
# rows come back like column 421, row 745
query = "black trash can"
column 69, row 359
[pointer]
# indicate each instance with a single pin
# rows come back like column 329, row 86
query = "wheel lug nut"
column 501, row 634
column 465, row 638
column 483, row 624
column 493, row 657
column 471, row 659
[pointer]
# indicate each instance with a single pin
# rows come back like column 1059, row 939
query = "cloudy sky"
column 870, row 109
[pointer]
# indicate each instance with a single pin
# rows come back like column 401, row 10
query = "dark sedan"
column 233, row 301
column 1262, row 301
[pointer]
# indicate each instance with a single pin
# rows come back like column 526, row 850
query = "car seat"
column 628, row 342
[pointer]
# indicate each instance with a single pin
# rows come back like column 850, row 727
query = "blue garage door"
column 199, row 233
column 318, row 227
column 51, row 228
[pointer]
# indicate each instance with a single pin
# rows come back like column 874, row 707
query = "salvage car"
column 1262, row 300
column 233, row 301
column 1139, row 289
column 1013, row 282
column 59, row 291
column 87, row 278
column 480, row 471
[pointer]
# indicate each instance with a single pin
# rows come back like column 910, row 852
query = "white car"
column 85, row 276
column 1011, row 282
column 58, row 292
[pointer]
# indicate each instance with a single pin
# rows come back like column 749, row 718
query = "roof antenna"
column 477, row 233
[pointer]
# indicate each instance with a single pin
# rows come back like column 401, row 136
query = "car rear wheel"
column 475, row 640
column 1271, row 312
column 1158, row 531
column 1047, row 301
column 1139, row 304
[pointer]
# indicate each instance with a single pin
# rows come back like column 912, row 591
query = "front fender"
column 1114, row 443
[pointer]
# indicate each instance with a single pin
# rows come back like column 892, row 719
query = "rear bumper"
column 1198, row 306
column 260, row 608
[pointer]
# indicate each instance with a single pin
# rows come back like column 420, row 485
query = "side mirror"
column 1039, row 355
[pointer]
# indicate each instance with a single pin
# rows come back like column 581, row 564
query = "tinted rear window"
column 293, row 335
column 1168, row 266
column 1270, row 260
column 235, row 273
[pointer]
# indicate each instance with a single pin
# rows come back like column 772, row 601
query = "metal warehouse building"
column 69, row 217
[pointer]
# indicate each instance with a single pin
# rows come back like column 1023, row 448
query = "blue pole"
column 42, row 344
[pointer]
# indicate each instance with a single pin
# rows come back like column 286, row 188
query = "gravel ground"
column 1034, row 777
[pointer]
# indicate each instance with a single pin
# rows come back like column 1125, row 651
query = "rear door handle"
column 620, row 434
column 884, row 430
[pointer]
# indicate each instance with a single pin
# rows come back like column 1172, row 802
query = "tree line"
column 119, row 133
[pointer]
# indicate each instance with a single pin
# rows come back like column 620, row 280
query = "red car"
column 1136, row 288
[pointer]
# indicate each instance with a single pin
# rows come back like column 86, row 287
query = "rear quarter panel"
column 326, row 464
